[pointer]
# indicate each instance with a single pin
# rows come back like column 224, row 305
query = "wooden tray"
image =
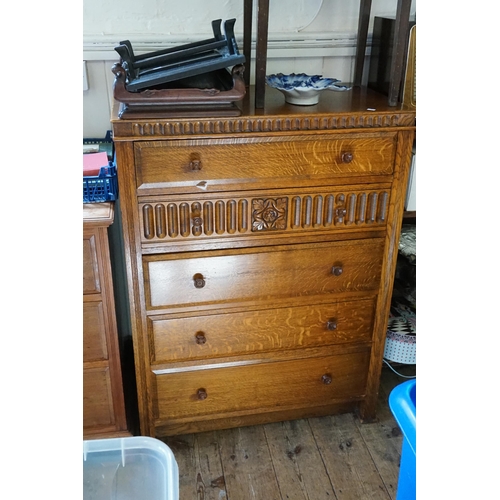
column 211, row 94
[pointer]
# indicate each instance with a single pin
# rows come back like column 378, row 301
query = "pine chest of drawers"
column 260, row 257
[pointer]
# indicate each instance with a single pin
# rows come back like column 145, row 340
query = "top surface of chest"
column 357, row 109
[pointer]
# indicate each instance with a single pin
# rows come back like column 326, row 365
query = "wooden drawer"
column 98, row 407
column 262, row 274
column 276, row 385
column 94, row 332
column 91, row 282
column 216, row 164
column 180, row 218
column 233, row 334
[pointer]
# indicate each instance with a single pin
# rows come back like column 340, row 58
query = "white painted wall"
column 310, row 36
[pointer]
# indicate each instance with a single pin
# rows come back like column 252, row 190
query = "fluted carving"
column 233, row 216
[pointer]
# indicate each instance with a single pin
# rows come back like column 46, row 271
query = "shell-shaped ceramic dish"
column 302, row 89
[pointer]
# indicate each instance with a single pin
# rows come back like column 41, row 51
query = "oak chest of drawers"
column 260, row 256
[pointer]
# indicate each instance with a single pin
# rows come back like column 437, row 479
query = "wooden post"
column 365, row 7
column 261, row 52
column 401, row 33
column 247, row 38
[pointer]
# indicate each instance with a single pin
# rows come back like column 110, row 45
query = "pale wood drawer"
column 215, row 164
column 262, row 274
column 276, row 385
column 216, row 335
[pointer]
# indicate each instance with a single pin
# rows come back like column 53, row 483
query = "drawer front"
column 91, row 283
column 215, row 164
column 232, row 334
column 98, row 407
column 180, row 218
column 276, row 385
column 262, row 274
column 94, row 332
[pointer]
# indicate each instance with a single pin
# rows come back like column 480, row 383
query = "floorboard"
column 326, row 458
column 348, row 461
column 299, row 468
column 247, row 464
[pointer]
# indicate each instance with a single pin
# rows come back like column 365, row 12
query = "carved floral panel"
column 269, row 214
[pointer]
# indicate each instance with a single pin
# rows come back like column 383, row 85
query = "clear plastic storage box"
column 132, row 468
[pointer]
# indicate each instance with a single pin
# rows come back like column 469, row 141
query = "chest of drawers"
column 260, row 256
column 103, row 397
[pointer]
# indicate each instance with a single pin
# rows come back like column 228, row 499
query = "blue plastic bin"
column 101, row 188
column 403, row 404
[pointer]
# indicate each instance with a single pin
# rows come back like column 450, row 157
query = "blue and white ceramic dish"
column 303, row 89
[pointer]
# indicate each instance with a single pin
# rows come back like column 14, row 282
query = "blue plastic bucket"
column 403, row 404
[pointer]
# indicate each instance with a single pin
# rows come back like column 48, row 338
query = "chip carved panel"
column 183, row 219
column 257, row 124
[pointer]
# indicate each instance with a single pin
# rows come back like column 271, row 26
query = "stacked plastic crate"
column 100, row 182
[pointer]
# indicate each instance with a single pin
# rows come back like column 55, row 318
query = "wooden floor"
column 310, row 459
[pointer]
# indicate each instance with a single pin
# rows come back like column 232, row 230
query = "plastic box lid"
column 129, row 468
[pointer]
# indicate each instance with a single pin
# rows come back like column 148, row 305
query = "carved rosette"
column 269, row 214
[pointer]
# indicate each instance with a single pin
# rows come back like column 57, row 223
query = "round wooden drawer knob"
column 199, row 281
column 195, row 165
column 331, row 324
column 200, row 338
column 337, row 270
column 326, row 379
column 202, row 394
column 347, row 157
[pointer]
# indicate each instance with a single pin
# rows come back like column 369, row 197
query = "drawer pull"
column 195, row 165
column 337, row 270
column 331, row 324
column 347, row 157
column 199, row 281
column 200, row 338
column 201, row 394
column 326, row 379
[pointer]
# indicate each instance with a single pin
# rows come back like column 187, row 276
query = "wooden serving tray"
column 211, row 94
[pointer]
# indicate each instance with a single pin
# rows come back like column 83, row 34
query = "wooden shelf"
column 401, row 34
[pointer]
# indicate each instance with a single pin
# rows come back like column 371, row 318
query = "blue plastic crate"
column 104, row 144
column 403, row 404
column 102, row 187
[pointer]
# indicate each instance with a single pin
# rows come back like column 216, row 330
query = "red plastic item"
column 92, row 163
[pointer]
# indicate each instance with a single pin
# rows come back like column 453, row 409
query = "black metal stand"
column 163, row 66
